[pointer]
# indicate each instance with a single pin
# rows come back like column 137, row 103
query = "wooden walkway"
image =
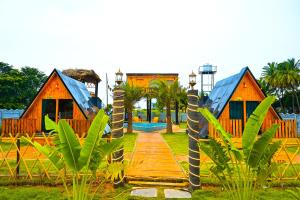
column 152, row 160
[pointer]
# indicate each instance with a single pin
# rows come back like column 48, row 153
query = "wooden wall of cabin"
column 248, row 90
column 145, row 80
column 54, row 89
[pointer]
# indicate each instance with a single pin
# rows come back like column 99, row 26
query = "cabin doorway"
column 48, row 108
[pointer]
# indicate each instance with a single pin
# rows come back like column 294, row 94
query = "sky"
column 156, row 36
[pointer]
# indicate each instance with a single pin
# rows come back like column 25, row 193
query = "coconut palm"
column 271, row 77
column 289, row 76
column 166, row 93
column 132, row 95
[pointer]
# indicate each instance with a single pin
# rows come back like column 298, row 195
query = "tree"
column 132, row 95
column 18, row 87
column 282, row 79
column 167, row 94
column 182, row 99
column 270, row 77
column 33, row 80
column 289, row 77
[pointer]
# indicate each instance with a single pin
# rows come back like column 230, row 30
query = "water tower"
column 207, row 73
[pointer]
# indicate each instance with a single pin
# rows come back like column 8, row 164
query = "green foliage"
column 178, row 142
column 242, row 171
column 283, row 80
column 295, row 194
column 80, row 159
column 167, row 94
column 132, row 95
column 18, row 87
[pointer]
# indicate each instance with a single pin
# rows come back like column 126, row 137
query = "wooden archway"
column 144, row 80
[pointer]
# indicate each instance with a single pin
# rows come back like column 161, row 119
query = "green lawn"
column 178, row 142
column 129, row 141
column 45, row 192
column 183, row 125
column 7, row 145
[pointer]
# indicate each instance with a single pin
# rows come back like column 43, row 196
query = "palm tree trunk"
column 297, row 100
column 169, row 122
column 129, row 113
column 281, row 100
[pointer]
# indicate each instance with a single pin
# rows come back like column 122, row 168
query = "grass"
column 108, row 192
column 178, row 142
column 129, row 142
column 7, row 145
column 183, row 125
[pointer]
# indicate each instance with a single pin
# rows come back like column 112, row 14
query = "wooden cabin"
column 61, row 97
column 233, row 100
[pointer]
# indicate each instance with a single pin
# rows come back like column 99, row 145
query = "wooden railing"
column 29, row 126
column 14, row 126
column 287, row 128
column 80, row 127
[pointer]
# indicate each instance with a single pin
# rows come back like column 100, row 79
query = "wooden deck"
column 153, row 160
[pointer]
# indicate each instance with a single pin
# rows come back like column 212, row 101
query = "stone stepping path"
column 168, row 193
column 153, row 159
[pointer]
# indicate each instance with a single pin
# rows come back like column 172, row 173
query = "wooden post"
column 18, row 156
column 193, row 131
column 117, row 128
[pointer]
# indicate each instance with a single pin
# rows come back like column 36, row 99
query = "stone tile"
column 176, row 194
column 146, row 192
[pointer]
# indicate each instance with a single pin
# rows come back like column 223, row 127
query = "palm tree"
column 289, row 76
column 132, row 95
column 182, row 99
column 270, row 76
column 167, row 94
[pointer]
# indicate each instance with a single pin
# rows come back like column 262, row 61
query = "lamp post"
column 118, row 122
column 119, row 77
column 192, row 80
column 193, row 131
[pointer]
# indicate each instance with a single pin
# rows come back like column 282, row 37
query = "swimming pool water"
column 147, row 127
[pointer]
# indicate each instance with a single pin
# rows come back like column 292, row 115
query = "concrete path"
column 153, row 159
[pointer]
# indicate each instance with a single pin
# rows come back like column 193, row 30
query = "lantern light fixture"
column 192, row 80
column 119, row 77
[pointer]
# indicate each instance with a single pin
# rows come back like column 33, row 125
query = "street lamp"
column 119, row 77
column 192, row 80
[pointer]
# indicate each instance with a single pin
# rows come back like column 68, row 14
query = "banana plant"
column 242, row 171
column 82, row 160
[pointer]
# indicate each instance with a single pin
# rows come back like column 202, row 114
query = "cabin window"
column 65, row 109
column 236, row 110
column 250, row 107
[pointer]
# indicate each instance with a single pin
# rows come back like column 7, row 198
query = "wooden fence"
column 29, row 126
column 21, row 126
column 287, row 129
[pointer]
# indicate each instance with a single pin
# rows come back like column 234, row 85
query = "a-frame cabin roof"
column 223, row 91
column 77, row 90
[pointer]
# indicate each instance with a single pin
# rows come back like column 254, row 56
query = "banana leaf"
column 226, row 137
column 70, row 146
column 254, row 123
column 95, row 133
column 50, row 152
column 260, row 145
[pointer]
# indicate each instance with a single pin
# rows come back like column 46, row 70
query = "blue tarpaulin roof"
column 222, row 92
column 218, row 98
column 79, row 92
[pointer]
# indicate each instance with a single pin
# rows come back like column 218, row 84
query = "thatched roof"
column 83, row 75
